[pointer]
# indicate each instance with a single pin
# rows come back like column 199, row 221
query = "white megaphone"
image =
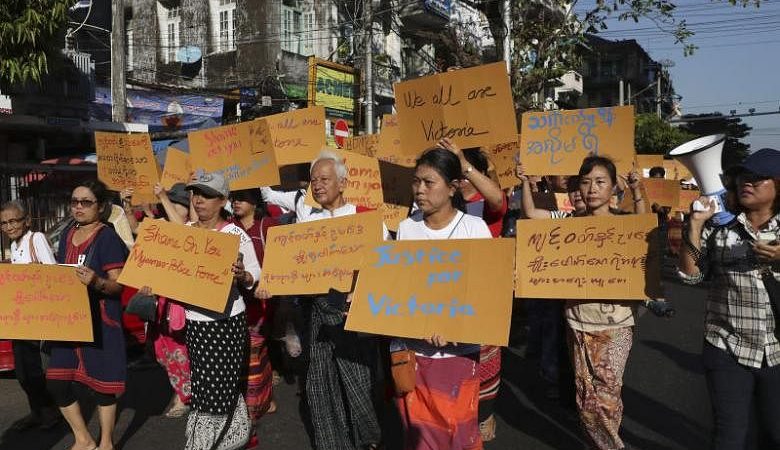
column 702, row 158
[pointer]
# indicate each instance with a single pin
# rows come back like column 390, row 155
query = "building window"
column 298, row 30
column 170, row 31
column 309, row 34
column 129, row 36
column 223, row 13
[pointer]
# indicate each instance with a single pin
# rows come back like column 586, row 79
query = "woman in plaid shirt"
column 741, row 260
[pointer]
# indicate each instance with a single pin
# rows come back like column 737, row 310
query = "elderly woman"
column 29, row 247
column 741, row 351
column 218, row 342
column 99, row 254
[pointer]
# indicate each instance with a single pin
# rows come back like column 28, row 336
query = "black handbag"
column 143, row 306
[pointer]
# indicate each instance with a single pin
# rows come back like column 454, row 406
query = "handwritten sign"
column 555, row 142
column 39, row 301
column 687, row 196
column 473, row 107
column 191, row 265
column 313, row 257
column 364, row 182
column 646, row 162
column 663, row 192
column 177, row 168
column 390, row 149
column 676, row 171
column 504, row 157
column 367, row 145
column 452, row 288
column 126, row 161
column 609, row 258
column 393, row 215
column 295, row 137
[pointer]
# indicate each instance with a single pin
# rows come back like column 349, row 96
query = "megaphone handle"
column 699, row 206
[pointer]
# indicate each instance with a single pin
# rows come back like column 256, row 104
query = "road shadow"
column 147, row 393
column 687, row 361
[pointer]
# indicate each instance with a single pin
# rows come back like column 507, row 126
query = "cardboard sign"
column 646, row 162
column 229, row 150
column 555, row 142
column 313, row 257
column 364, row 182
column 367, row 145
column 676, row 171
column 393, row 215
column 396, row 183
column 126, row 161
column 597, row 258
column 390, row 144
column 453, row 288
column 663, row 192
column 473, row 107
column 43, row 302
column 295, row 137
column 504, row 158
column 188, row 264
column 687, row 196
column 177, row 168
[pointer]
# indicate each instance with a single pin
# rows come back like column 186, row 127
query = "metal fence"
column 45, row 189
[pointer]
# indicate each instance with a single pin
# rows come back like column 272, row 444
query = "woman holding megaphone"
column 741, row 353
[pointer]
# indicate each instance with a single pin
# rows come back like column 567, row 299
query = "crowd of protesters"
column 222, row 366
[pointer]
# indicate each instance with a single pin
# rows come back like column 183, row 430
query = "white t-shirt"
column 250, row 265
column 462, row 226
column 20, row 250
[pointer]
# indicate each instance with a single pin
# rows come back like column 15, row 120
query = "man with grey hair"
column 341, row 371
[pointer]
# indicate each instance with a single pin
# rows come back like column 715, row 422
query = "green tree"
column 28, row 38
column 654, row 136
column 734, row 150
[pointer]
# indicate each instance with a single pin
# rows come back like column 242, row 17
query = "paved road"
column 666, row 405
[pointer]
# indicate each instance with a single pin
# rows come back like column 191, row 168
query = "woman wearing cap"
column 218, row 342
column 741, row 353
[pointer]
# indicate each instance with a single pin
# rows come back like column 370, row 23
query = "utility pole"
column 658, row 93
column 621, row 95
column 507, row 34
column 369, row 66
column 118, row 92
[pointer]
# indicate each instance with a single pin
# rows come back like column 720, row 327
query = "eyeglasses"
column 12, row 222
column 84, row 203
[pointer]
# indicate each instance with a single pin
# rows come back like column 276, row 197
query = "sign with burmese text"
column 504, row 157
column 452, row 288
column 364, row 182
column 43, row 302
column 313, row 257
column 229, row 150
column 555, row 142
column 126, row 161
column 597, row 258
column 294, row 137
column 473, row 107
column 188, row 264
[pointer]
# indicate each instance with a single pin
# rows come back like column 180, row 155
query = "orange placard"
column 687, row 196
column 295, row 137
column 473, row 107
column 188, row 264
column 676, row 171
column 313, row 257
column 364, row 183
column 555, row 142
column 393, row 215
column 646, row 162
column 663, row 192
column 597, row 258
column 390, row 143
column 505, row 157
column 43, row 302
column 229, row 150
column 127, row 161
column 452, row 288
column 367, row 145
column 177, row 168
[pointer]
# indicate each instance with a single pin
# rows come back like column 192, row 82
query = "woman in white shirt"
column 218, row 342
column 27, row 247
column 446, row 373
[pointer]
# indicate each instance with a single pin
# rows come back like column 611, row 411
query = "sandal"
column 487, row 429
column 177, row 411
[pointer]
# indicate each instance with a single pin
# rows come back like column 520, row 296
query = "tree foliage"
column 28, row 37
column 654, row 136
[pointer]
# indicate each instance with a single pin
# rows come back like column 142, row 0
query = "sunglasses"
column 84, row 203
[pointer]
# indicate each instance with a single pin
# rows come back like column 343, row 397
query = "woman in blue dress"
column 100, row 366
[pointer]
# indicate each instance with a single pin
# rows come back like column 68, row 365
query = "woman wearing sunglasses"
column 99, row 255
column 741, row 260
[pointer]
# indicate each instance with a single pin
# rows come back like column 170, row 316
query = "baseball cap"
column 178, row 194
column 210, row 183
column 252, row 196
column 765, row 162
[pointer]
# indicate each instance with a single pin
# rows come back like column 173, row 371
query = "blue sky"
column 737, row 65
